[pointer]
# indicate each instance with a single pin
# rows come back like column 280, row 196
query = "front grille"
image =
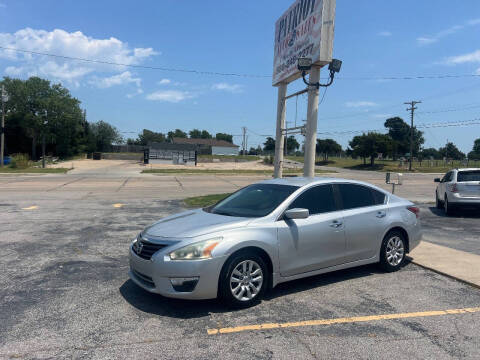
column 146, row 249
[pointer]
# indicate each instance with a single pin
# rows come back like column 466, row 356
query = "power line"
column 200, row 72
column 419, row 126
column 136, row 66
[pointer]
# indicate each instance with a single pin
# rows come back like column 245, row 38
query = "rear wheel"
column 449, row 210
column 392, row 252
column 243, row 279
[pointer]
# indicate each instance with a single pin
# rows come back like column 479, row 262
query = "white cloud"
column 382, row 116
column 138, row 92
column 120, row 79
column 472, row 57
column 233, row 88
column 356, row 104
column 384, row 33
column 70, row 44
column 474, row 22
column 430, row 39
column 172, row 96
column 164, row 82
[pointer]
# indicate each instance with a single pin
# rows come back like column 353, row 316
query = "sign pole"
column 311, row 128
column 279, row 143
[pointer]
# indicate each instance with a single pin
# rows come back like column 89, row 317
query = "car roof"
column 468, row 169
column 303, row 181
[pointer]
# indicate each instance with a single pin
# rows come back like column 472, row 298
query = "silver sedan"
column 271, row 232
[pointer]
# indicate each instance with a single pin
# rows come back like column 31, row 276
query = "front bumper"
column 154, row 275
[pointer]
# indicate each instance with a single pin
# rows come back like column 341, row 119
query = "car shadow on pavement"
column 189, row 309
column 469, row 213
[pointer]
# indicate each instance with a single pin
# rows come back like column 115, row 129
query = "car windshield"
column 253, row 201
column 464, row 176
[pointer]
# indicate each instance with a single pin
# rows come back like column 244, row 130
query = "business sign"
column 304, row 30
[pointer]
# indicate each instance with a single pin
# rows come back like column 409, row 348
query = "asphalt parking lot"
column 460, row 231
column 65, row 293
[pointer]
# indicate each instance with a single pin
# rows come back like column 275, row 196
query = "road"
column 65, row 292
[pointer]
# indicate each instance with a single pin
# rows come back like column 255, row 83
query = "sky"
column 375, row 39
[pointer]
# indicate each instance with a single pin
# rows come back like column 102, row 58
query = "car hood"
column 193, row 223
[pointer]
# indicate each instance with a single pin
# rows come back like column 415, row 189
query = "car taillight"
column 453, row 188
column 415, row 210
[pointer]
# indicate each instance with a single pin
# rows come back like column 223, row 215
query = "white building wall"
column 223, row 150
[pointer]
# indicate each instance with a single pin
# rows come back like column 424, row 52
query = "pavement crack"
column 179, row 183
column 65, row 184
column 123, row 184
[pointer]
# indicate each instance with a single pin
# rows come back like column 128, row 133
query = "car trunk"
column 468, row 183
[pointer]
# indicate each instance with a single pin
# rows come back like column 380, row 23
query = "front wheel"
column 392, row 252
column 438, row 203
column 244, row 279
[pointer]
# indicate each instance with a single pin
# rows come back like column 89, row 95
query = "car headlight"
column 197, row 251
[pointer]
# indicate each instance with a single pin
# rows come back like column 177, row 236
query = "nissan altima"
column 271, row 232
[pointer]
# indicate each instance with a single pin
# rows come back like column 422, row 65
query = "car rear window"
column 355, row 196
column 464, row 176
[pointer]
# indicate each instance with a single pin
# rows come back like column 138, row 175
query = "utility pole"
column 244, row 141
column 281, row 102
column 45, row 122
column 412, row 110
column 4, row 99
column 311, row 129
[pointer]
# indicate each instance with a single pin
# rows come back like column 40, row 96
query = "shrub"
column 268, row 160
column 19, row 161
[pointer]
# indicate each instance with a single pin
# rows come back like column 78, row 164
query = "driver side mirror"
column 436, row 180
column 297, row 213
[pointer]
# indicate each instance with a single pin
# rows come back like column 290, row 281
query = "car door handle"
column 381, row 214
column 336, row 224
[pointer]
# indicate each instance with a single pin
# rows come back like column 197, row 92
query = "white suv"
column 458, row 188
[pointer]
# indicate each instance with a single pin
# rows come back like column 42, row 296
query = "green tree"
column 36, row 109
column 148, row 136
column 327, row 147
column 399, row 131
column 103, row 136
column 176, row 134
column 475, row 153
column 199, row 134
column 430, row 153
column 450, row 151
column 292, row 144
column 269, row 144
column 223, row 136
column 370, row 145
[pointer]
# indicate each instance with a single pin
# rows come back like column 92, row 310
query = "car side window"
column 447, row 177
column 317, row 200
column 378, row 197
column 355, row 196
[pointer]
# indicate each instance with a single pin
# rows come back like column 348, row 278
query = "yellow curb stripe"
column 345, row 320
column 119, row 205
column 34, row 207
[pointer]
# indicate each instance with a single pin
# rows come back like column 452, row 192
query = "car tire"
column 239, row 283
column 393, row 251
column 438, row 203
column 449, row 210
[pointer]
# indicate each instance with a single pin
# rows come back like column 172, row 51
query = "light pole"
column 4, row 99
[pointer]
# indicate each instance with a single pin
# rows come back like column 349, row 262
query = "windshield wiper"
column 221, row 213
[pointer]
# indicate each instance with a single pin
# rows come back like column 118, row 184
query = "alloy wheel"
column 246, row 280
column 395, row 251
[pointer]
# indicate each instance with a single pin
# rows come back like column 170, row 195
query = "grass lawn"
column 203, row 201
column 387, row 165
column 7, row 170
column 225, row 172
